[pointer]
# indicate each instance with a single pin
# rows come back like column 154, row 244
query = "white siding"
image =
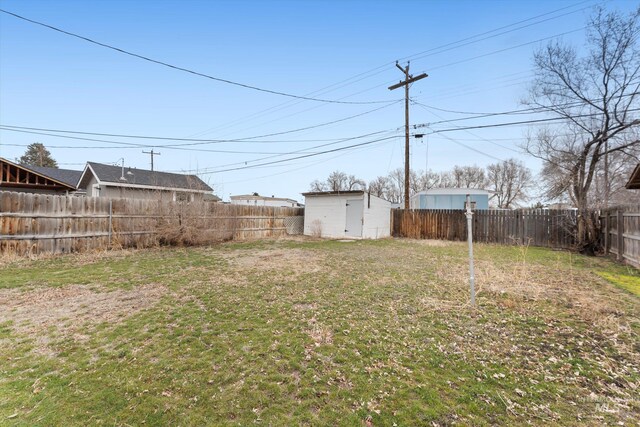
column 377, row 218
column 327, row 214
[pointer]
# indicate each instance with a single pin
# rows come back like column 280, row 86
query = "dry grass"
column 308, row 332
column 67, row 311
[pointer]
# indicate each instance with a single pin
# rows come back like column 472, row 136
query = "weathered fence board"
column 621, row 233
column 537, row 227
column 39, row 223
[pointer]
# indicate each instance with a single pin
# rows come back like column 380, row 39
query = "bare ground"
column 66, row 310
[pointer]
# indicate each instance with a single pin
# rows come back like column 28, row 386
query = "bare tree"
column 379, row 187
column 609, row 189
column 337, row 181
column 509, row 180
column 395, row 193
column 354, row 183
column 430, row 179
column 595, row 96
column 318, row 186
column 467, row 177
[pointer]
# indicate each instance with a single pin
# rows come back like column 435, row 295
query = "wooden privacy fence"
column 620, row 229
column 538, row 227
column 38, row 223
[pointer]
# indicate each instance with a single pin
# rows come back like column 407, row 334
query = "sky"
column 280, row 93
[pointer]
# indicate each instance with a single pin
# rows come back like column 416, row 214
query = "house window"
column 182, row 197
column 473, row 205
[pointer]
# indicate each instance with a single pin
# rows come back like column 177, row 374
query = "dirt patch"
column 433, row 243
column 297, row 260
column 64, row 311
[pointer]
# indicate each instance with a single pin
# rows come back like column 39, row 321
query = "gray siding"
column 452, row 201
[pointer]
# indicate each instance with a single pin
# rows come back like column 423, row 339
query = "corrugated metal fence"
column 38, row 223
column 621, row 229
column 537, row 227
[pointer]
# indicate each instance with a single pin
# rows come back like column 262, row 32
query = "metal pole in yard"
column 472, row 284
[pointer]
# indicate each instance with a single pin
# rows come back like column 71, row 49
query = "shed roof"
column 333, row 193
column 634, row 179
column 143, row 178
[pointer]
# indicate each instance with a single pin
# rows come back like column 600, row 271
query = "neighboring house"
column 100, row 180
column 450, row 198
column 36, row 179
column 346, row 214
column 257, row 200
column 634, row 179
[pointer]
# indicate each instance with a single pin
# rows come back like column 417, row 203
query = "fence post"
column 620, row 235
column 606, row 232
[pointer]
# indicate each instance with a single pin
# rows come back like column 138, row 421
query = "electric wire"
column 186, row 70
column 193, row 140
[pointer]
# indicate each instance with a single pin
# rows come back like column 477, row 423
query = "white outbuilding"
column 346, row 214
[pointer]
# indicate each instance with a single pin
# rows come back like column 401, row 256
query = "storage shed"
column 346, row 214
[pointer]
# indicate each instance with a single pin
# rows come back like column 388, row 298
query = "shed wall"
column 326, row 216
column 377, row 218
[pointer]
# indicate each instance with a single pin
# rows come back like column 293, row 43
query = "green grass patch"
column 309, row 332
column 629, row 281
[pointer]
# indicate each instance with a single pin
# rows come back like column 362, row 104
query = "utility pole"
column 152, row 153
column 408, row 79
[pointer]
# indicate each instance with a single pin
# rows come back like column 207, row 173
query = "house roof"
column 254, row 197
column 15, row 175
column 141, row 178
column 67, row 176
column 634, row 179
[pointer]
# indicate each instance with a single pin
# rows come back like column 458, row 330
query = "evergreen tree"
column 37, row 155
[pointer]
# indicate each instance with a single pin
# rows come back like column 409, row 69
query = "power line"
column 506, row 49
column 245, row 162
column 194, row 140
column 301, row 157
column 377, row 70
column 469, row 132
column 469, row 40
column 472, row 149
column 186, row 70
column 138, row 145
column 551, row 119
column 75, row 147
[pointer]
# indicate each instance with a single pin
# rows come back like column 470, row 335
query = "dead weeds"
column 41, row 313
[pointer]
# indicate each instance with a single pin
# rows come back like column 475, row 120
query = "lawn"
column 308, row 332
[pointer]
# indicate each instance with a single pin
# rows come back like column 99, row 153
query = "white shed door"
column 355, row 209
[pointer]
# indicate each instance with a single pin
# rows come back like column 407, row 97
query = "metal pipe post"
column 472, row 284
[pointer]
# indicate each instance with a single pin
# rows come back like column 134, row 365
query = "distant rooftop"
column 110, row 173
column 67, row 176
